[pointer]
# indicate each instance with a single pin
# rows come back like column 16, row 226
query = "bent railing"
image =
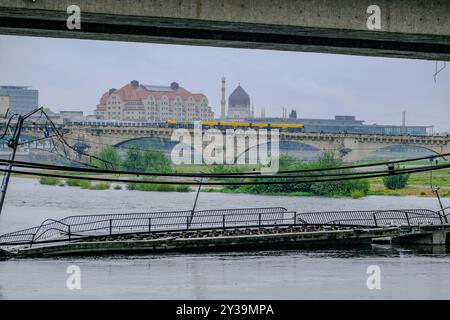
column 373, row 218
column 108, row 224
column 76, row 227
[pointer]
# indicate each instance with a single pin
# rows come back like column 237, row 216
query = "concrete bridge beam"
column 408, row 28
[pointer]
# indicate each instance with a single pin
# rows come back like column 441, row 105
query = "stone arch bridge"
column 351, row 147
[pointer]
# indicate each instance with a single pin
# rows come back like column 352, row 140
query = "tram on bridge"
column 286, row 127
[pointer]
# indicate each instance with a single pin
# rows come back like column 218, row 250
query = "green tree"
column 133, row 160
column 329, row 188
column 339, row 187
column 156, row 161
column 109, row 155
column 220, row 168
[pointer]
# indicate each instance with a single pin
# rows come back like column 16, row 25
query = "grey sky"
column 72, row 75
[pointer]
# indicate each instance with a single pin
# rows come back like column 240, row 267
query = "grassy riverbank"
column 417, row 186
column 155, row 161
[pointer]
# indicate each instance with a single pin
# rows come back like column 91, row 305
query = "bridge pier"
column 430, row 237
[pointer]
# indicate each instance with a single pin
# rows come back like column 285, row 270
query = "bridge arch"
column 295, row 149
column 400, row 151
column 162, row 144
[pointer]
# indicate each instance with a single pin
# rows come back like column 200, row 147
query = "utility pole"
column 403, row 122
column 13, row 143
column 442, row 212
column 195, row 202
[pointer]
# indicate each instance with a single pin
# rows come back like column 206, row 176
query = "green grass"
column 85, row 184
column 440, row 178
column 300, row 194
column 182, row 188
column 384, row 193
column 187, row 168
column 100, row 186
column 158, row 187
column 357, row 194
column 418, row 184
column 210, row 190
column 49, row 181
column 71, row 182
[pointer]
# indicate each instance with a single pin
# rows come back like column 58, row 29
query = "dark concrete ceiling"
column 409, row 28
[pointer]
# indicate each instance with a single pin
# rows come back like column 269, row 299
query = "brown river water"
column 295, row 274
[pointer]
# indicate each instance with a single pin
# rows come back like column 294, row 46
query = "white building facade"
column 135, row 102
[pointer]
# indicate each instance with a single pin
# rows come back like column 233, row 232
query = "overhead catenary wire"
column 57, row 134
column 283, row 174
column 43, row 166
column 64, row 143
column 286, row 181
column 381, row 163
column 36, row 140
column 8, row 124
column 255, row 174
column 55, row 148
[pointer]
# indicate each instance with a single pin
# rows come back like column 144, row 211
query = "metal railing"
column 373, row 218
column 76, row 227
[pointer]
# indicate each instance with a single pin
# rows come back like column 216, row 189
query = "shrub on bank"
column 71, row 182
column 357, row 194
column 85, row 184
column 396, row 181
column 131, row 186
column 182, row 188
column 50, row 181
column 342, row 188
column 100, row 186
column 158, row 187
column 164, row 188
column 110, row 157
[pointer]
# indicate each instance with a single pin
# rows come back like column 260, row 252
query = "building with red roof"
column 137, row 102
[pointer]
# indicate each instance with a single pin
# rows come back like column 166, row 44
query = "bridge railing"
column 76, row 227
column 373, row 218
column 73, row 227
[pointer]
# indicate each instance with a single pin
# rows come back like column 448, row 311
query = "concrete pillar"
column 437, row 237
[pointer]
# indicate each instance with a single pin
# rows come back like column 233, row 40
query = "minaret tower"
column 223, row 101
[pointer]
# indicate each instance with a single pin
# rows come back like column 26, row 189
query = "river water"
column 405, row 273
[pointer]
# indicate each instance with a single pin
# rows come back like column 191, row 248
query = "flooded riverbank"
column 295, row 274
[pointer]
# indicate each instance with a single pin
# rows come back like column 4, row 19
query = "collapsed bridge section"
column 224, row 229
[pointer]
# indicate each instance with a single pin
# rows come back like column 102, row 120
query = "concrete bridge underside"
column 408, row 28
column 351, row 147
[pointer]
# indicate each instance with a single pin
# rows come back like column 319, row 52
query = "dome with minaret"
column 239, row 104
column 239, row 98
